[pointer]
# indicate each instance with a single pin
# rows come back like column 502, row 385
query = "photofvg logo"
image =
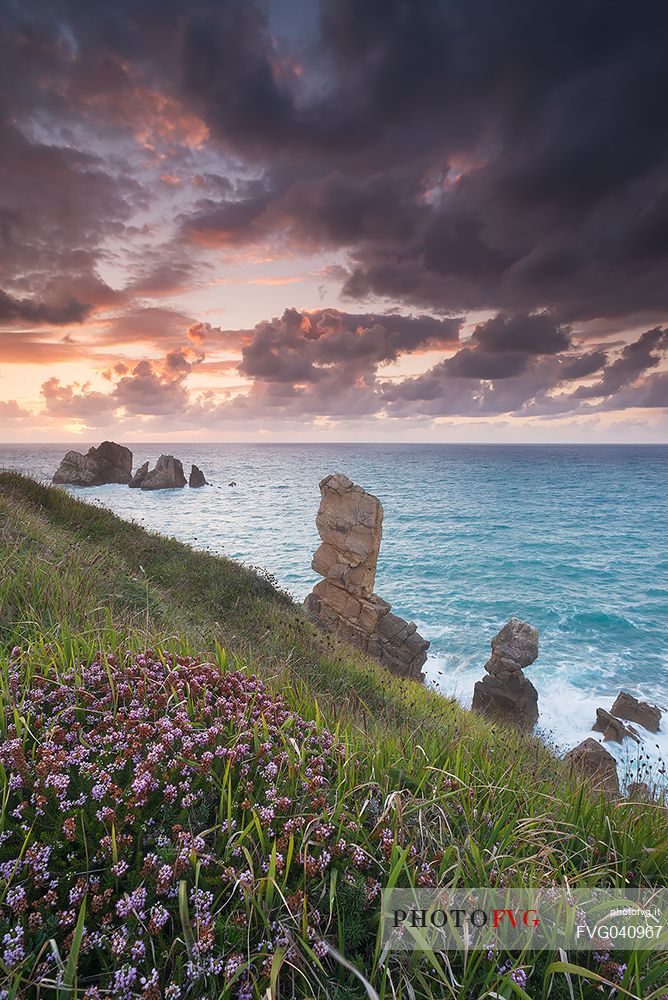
column 517, row 919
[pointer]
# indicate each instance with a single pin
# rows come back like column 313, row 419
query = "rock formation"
column 612, row 728
column 629, row 708
column 505, row 694
column 196, row 478
column 349, row 522
column 167, row 475
column 108, row 463
column 640, row 791
column 139, row 476
column 594, row 762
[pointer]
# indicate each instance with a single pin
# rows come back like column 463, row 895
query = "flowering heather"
column 181, row 831
column 162, row 803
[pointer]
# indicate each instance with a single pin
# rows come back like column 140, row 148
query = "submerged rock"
column 505, row 694
column 167, row 475
column 196, row 478
column 139, row 476
column 349, row 523
column 108, row 463
column 595, row 763
column 629, row 708
column 612, row 728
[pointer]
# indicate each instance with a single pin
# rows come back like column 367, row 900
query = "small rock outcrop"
column 167, row 475
column 505, row 694
column 350, row 523
column 108, row 463
column 612, row 728
column 595, row 763
column 196, row 478
column 640, row 791
column 139, row 477
column 629, row 708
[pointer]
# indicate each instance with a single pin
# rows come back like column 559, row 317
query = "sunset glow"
column 290, row 221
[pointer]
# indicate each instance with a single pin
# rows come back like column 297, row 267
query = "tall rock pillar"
column 350, row 523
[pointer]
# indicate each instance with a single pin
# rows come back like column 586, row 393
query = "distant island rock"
column 112, row 463
column 505, row 694
column 139, row 477
column 349, row 523
column 167, row 475
column 196, row 478
column 108, row 463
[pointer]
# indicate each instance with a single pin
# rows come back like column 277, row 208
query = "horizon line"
column 358, row 444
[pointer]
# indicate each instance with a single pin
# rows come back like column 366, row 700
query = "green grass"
column 484, row 805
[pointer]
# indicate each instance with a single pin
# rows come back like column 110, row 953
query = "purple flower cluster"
column 159, row 796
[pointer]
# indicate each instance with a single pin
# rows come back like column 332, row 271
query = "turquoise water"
column 572, row 539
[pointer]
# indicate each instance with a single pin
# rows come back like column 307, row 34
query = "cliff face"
column 349, row 523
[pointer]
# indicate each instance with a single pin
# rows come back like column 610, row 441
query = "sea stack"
column 505, row 694
column 108, row 463
column 139, row 477
column 349, row 523
column 167, row 475
column 196, row 478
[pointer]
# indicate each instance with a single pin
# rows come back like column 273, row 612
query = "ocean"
column 572, row 539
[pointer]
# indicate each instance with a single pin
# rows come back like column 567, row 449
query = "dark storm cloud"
column 57, row 206
column 533, row 334
column 468, row 155
column 483, row 382
column 456, row 156
column 39, row 312
column 305, row 347
column 504, row 346
column 634, row 360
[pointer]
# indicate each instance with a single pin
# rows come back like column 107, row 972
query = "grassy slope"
column 74, row 576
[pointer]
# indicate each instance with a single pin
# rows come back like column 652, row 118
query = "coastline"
column 585, row 657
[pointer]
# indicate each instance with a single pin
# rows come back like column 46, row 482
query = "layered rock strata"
column 505, row 694
column 349, row 523
column 629, row 708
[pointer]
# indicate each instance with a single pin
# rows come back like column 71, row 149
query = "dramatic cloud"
column 434, row 168
column 307, row 347
column 329, row 364
column 492, row 380
column 467, row 157
column 634, row 360
column 39, row 312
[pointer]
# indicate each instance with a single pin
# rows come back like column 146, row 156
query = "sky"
column 334, row 220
